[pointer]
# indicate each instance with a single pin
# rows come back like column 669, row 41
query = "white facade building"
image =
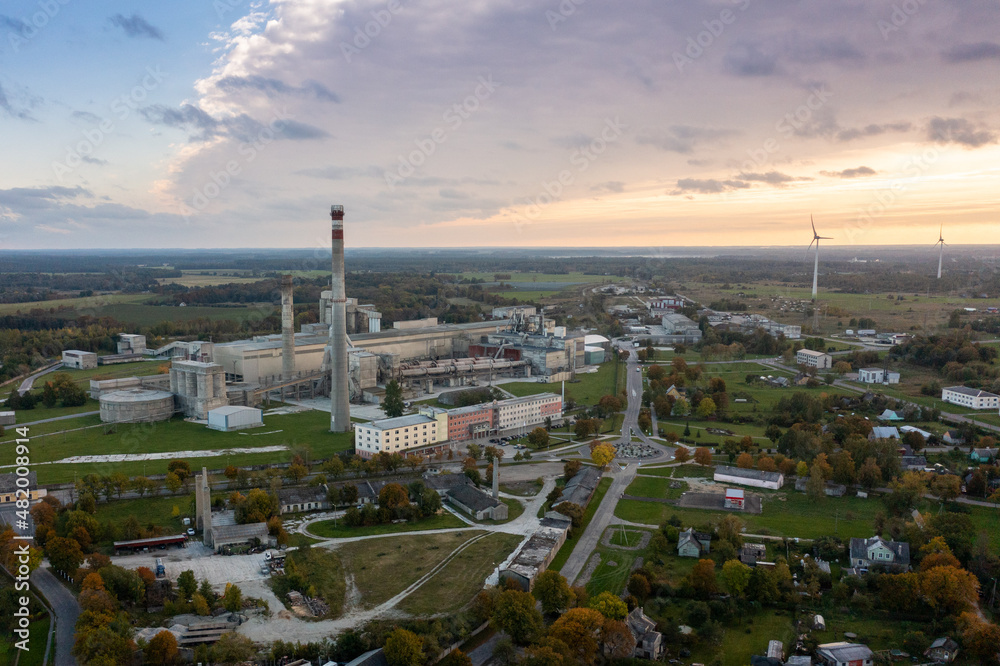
column 814, row 359
column 400, row 434
column 749, row 477
column 81, row 360
column 877, row 376
column 528, row 412
column 969, row 397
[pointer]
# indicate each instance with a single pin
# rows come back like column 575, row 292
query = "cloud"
column 52, row 230
column 747, row 60
column 708, row 186
column 824, row 124
column 856, row 172
column 682, row 138
column 12, row 110
column 331, row 172
column 93, row 160
column 960, row 131
column 14, row 24
column 613, row 186
column 274, row 87
column 851, row 133
column 135, row 26
column 452, row 193
column 241, row 127
column 34, row 198
column 771, row 178
column 972, row 52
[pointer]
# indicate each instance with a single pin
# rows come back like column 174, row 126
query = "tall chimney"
column 496, row 478
column 287, row 328
column 340, row 411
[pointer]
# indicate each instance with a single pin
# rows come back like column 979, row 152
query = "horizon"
column 197, row 124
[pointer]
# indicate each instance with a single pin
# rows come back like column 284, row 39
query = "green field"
column 589, row 388
column 324, row 570
column 330, row 529
column 157, row 511
column 304, row 432
column 462, row 578
column 656, row 487
column 738, row 646
column 407, row 557
column 567, row 548
column 89, row 303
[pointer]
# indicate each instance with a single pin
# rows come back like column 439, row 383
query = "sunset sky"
column 224, row 123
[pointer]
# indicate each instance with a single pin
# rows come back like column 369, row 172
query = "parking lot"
column 206, row 565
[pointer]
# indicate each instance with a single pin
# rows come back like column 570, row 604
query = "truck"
column 160, row 571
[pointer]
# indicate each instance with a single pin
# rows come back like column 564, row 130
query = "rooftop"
column 748, row 473
column 247, row 531
column 971, row 392
column 472, row 497
column 398, row 422
column 8, row 481
column 810, row 352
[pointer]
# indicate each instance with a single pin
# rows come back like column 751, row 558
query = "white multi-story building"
column 877, row 376
column 401, row 433
column 814, row 359
column 527, row 412
column 969, row 397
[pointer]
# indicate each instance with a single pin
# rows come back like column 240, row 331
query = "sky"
column 231, row 123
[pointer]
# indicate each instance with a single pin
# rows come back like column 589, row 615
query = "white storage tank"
column 136, row 405
column 232, row 417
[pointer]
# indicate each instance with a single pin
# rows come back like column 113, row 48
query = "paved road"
column 66, row 609
column 29, row 381
column 59, row 418
column 602, row 518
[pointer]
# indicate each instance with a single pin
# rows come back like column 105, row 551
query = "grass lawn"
column 89, row 302
column 41, row 412
column 796, row 516
column 134, row 369
column 338, row 530
column 36, row 647
column 306, row 433
column 324, row 570
column 626, row 537
column 564, row 551
column 407, row 557
column 149, row 510
column 738, row 646
column 522, row 488
column 587, row 390
column 658, row 487
column 462, row 578
column 611, row 575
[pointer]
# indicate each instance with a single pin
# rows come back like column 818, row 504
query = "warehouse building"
column 969, row 397
column 81, row 360
column 749, row 477
column 232, row 417
column 250, row 535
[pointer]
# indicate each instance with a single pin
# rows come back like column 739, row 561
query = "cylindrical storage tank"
column 136, row 406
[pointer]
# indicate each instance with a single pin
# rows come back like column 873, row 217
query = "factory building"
column 81, row 360
column 131, row 343
column 679, row 328
column 199, row 387
column 259, row 361
column 359, row 318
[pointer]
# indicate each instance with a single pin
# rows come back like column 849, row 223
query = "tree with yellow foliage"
column 602, row 455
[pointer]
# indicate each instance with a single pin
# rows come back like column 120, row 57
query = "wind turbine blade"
column 813, row 225
column 824, row 237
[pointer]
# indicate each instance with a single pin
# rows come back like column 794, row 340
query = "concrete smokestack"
column 340, row 411
column 496, row 478
column 287, row 328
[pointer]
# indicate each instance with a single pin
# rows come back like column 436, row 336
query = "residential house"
column 866, row 553
column 926, row 434
column 693, row 544
column 943, row 650
column 983, row 455
column 476, row 503
column 295, row 500
column 889, row 415
column 751, row 553
column 970, row 397
column 648, row 641
column 883, row 432
column 913, row 463
column 953, row 437
column 844, row 654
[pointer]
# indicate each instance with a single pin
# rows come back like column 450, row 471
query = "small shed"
column 8, row 418
column 233, row 417
column 819, row 624
column 735, row 498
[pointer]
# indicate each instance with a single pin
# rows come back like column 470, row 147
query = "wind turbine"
column 816, row 239
column 940, row 241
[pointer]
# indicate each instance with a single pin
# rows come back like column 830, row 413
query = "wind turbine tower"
column 941, row 243
column 816, row 239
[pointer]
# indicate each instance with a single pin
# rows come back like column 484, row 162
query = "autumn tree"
column 949, row 590
column 162, row 649
column 617, row 640
column 552, row 591
column 744, row 461
column 979, row 638
column 609, row 605
column 706, row 408
column 404, row 648
column 735, row 576
column 64, row 554
column 703, row 456
column 602, row 455
column 393, row 496
column 639, row 586
column 681, row 454
column 514, row 612
column 946, row 487
column 579, row 629
column 766, row 464
column 232, row 600
column 538, row 438
column 870, row 475
column 702, row 579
